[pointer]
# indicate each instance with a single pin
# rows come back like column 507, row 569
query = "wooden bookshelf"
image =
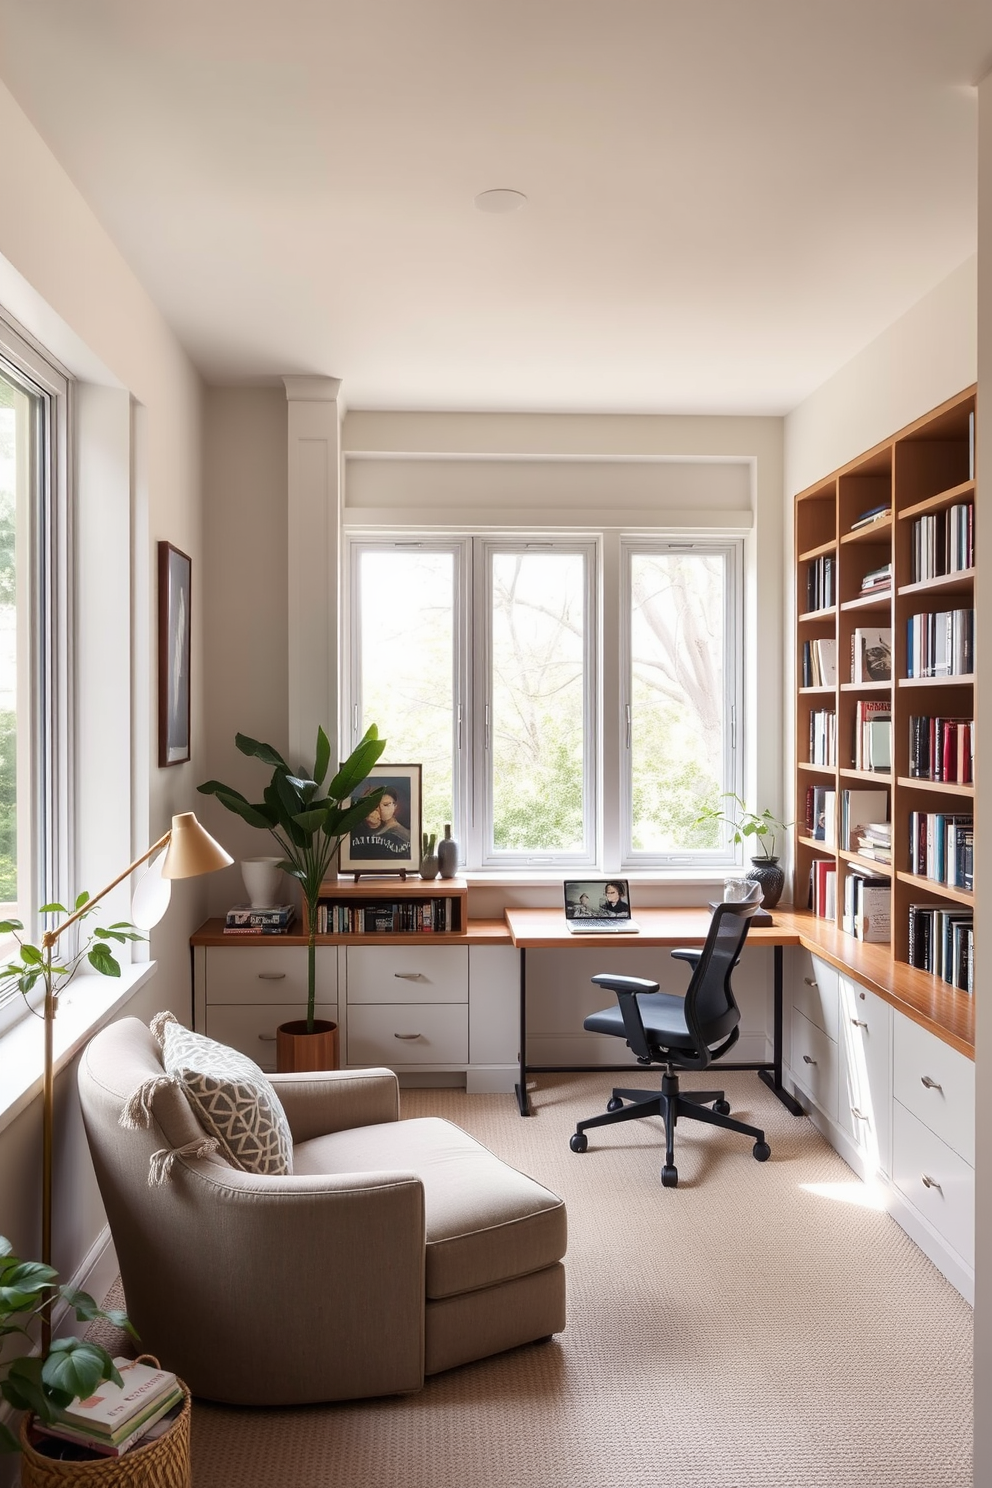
column 919, row 473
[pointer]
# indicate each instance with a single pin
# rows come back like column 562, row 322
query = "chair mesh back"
column 710, row 1003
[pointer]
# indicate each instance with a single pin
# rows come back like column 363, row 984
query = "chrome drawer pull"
column 811, row 981
column 807, row 1060
column 931, row 1183
column 410, row 976
column 858, row 1023
column 408, row 1035
column 931, row 1084
column 271, row 976
column 267, row 1038
column 858, row 1115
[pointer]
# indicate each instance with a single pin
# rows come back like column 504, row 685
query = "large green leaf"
column 7, row 927
column 76, row 1366
column 249, row 813
column 24, row 1390
column 264, row 752
column 304, row 785
column 27, row 1275
column 322, row 758
column 101, row 959
column 356, row 768
column 344, row 819
column 312, row 821
column 31, row 955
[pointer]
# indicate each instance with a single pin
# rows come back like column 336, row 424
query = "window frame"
column 50, row 648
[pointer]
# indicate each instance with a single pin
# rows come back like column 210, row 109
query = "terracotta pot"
column 298, row 1051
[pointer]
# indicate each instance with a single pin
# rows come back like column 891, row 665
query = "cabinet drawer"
column 399, row 1036
column 948, row 1199
column 814, row 993
column 252, row 1029
column 937, row 1084
column 814, row 1064
column 267, row 973
column 407, row 974
column 864, row 1093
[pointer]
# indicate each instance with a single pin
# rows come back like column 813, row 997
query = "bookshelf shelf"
column 922, row 481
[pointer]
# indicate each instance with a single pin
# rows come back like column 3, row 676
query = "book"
column 248, row 914
column 871, row 654
column 140, row 1431
column 113, row 1407
column 873, row 514
column 857, row 807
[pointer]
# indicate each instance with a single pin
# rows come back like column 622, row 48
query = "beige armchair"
column 397, row 1249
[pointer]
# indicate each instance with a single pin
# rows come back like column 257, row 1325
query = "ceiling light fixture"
column 502, row 199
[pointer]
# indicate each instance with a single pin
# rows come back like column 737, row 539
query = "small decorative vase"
column 771, row 877
column 299, row 1052
column 429, row 866
column 447, row 853
column 263, row 881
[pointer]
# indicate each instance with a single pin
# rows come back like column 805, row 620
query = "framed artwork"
column 389, row 837
column 174, row 595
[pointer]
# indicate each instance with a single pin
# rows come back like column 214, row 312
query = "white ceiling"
column 727, row 198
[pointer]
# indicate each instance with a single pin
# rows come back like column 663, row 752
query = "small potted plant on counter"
column 757, row 832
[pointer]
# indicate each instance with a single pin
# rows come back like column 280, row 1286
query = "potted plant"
column 308, row 827
column 757, row 832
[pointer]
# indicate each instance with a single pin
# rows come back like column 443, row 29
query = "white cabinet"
column 937, row 1084
column 936, row 1181
column 406, row 973
column 814, row 993
column 814, row 1063
column 251, row 1028
column 864, row 1095
column 241, row 973
column 407, row 1005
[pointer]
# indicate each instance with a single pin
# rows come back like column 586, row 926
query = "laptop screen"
column 597, row 899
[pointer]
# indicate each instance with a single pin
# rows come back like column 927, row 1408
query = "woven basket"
column 163, row 1463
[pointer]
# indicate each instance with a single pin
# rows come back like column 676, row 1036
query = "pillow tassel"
column 160, row 1163
column 137, row 1111
column 158, row 1025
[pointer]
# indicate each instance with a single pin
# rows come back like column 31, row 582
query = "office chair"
column 689, row 1032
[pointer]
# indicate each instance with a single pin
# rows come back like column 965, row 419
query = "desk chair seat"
column 690, row 1032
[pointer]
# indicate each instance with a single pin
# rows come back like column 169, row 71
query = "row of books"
column 877, row 579
column 944, row 542
column 247, row 919
column 867, row 907
column 942, row 847
column 871, row 654
column 873, row 734
column 118, row 1417
column 942, row 940
column 820, row 663
column 823, row 889
column 419, row 916
column 820, row 581
column 941, row 644
column 823, row 737
column 942, row 749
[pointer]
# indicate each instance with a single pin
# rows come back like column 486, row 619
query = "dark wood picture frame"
column 370, row 849
column 175, row 592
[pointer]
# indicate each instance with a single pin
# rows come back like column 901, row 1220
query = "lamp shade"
column 192, row 850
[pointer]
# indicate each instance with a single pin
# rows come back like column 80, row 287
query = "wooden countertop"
column 479, row 932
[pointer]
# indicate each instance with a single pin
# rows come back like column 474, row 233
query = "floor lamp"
column 190, row 852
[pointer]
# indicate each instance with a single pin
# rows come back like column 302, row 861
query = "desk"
column 532, row 929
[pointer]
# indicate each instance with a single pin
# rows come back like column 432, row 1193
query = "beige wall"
column 63, row 279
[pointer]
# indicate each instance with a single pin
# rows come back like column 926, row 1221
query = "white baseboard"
column 95, row 1274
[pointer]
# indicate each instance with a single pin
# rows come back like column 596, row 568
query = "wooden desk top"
column 925, row 999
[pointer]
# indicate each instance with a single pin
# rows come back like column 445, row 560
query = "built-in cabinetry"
column 420, row 1002
column 895, row 1100
column 884, row 551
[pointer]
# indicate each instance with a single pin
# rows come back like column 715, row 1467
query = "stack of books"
column 873, row 514
column 942, row 940
column 247, row 919
column 942, row 749
column 876, row 842
column 118, row 1417
column 877, row 579
column 940, row 644
column 857, row 808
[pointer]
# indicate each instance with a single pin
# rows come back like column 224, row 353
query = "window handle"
column 460, row 718
column 627, row 712
column 487, row 727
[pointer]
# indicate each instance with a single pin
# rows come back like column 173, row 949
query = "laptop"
column 598, row 906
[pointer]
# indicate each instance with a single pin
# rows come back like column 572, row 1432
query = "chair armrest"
column 624, row 983
column 688, row 953
column 312, row 1287
column 627, row 989
column 336, row 1100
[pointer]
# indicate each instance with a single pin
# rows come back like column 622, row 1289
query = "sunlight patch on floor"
column 864, row 1195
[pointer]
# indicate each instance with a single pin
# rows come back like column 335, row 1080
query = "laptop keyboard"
column 598, row 927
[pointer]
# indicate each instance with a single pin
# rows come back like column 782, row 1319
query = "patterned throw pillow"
column 230, row 1096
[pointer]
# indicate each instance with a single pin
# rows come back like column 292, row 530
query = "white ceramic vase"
column 263, row 881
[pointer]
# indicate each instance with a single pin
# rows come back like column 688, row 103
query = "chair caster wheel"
column 762, row 1151
column 614, row 1103
column 578, row 1141
column 722, row 1107
column 669, row 1177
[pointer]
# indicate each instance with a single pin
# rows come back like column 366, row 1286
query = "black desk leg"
column 773, row 1077
column 522, row 1101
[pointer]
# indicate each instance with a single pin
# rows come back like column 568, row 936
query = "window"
column 33, row 638
column 496, row 663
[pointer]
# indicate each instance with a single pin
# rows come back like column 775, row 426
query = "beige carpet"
column 755, row 1328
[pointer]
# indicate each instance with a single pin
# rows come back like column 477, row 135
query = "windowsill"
column 91, row 1002
column 540, row 878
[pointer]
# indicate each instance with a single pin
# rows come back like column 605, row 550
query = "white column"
column 314, row 538
column 983, row 834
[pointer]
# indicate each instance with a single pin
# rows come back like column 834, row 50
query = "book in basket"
column 113, row 1408
column 146, row 1426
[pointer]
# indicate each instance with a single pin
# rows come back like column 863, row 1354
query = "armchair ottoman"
column 395, row 1250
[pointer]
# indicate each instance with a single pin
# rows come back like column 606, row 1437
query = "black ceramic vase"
column 771, row 877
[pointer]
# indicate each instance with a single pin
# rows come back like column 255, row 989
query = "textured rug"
column 761, row 1326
